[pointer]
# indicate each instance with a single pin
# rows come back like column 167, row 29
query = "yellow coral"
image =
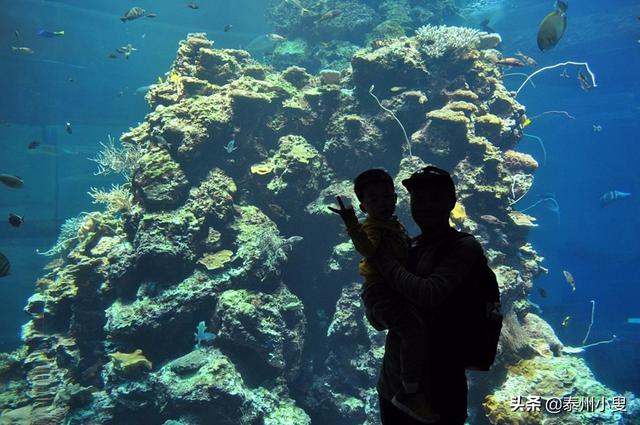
column 458, row 213
column 216, row 260
column 130, row 363
column 261, row 169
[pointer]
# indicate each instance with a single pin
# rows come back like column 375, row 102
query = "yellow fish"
column 570, row 280
column 552, row 27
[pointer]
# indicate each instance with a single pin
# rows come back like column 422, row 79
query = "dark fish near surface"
column 193, row 6
column 4, row 265
column 553, row 27
column 133, row 13
column 484, row 24
column 33, row 144
column 14, row 182
column 612, row 196
column 15, row 220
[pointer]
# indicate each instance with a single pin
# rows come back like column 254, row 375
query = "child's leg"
column 413, row 348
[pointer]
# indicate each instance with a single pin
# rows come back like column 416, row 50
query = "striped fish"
column 133, row 13
column 4, row 265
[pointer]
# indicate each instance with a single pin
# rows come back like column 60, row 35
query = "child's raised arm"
column 361, row 240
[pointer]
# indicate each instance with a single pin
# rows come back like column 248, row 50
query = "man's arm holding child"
column 431, row 291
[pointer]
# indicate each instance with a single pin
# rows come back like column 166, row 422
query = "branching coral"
column 68, row 234
column 117, row 200
column 117, row 160
column 436, row 40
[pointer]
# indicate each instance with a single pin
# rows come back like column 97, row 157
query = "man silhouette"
column 437, row 280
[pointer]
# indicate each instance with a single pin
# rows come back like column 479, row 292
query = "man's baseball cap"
column 431, row 177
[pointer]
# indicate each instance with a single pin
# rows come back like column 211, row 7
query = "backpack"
column 479, row 319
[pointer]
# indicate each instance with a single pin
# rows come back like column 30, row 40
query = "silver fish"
column 13, row 182
column 612, row 196
column 231, row 146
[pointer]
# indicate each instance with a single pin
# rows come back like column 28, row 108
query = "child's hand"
column 347, row 214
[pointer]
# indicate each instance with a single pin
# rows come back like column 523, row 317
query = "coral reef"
column 241, row 242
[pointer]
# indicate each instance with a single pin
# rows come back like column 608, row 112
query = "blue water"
column 71, row 79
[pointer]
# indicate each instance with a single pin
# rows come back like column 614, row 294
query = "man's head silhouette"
column 433, row 196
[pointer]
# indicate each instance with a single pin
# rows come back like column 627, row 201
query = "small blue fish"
column 50, row 34
column 612, row 196
column 202, row 335
column 231, row 146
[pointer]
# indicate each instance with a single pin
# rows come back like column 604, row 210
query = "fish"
column 16, row 33
column 24, row 50
column 542, row 292
column 612, row 196
column 5, row 266
column 276, row 37
column 50, row 34
column 112, row 56
column 151, row 15
column 14, row 182
column 570, row 280
column 33, row 144
column 227, row 28
column 201, row 334
column 564, row 73
column 524, row 121
column 264, row 43
column 565, row 321
column 279, row 211
column 295, row 239
column 68, row 128
column 585, row 84
column 512, row 62
column 553, row 27
column 15, row 220
column 193, row 6
column 527, row 59
column 144, row 89
column 231, row 146
column 126, row 50
column 134, row 13
column 332, row 14
column 484, row 25
column 396, row 89
column 492, row 220
column 597, row 128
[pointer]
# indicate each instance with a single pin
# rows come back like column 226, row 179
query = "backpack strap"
column 445, row 247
